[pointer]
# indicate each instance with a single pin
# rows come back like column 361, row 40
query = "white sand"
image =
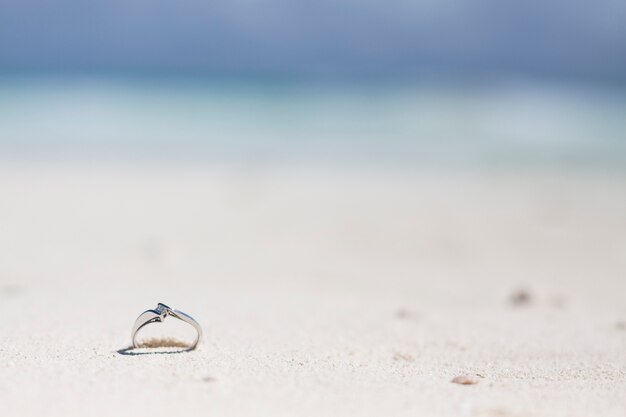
column 322, row 293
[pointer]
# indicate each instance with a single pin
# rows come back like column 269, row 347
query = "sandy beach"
column 321, row 291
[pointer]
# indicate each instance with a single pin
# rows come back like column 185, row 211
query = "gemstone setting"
column 162, row 310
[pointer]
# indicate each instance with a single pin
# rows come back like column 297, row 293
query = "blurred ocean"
column 500, row 125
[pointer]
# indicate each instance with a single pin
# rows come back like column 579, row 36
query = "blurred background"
column 322, row 143
column 477, row 82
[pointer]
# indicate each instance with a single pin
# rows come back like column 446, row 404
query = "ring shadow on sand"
column 156, row 347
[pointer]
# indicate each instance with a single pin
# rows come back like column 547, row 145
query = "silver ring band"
column 158, row 315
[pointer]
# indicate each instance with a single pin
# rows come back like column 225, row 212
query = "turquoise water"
column 415, row 125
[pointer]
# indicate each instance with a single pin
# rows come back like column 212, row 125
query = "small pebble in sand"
column 405, row 357
column 10, row 290
column 403, row 314
column 466, row 379
column 208, row 379
column 521, row 298
column 621, row 325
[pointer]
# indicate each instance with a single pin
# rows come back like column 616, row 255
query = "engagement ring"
column 158, row 315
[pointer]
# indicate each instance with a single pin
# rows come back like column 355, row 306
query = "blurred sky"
column 573, row 39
